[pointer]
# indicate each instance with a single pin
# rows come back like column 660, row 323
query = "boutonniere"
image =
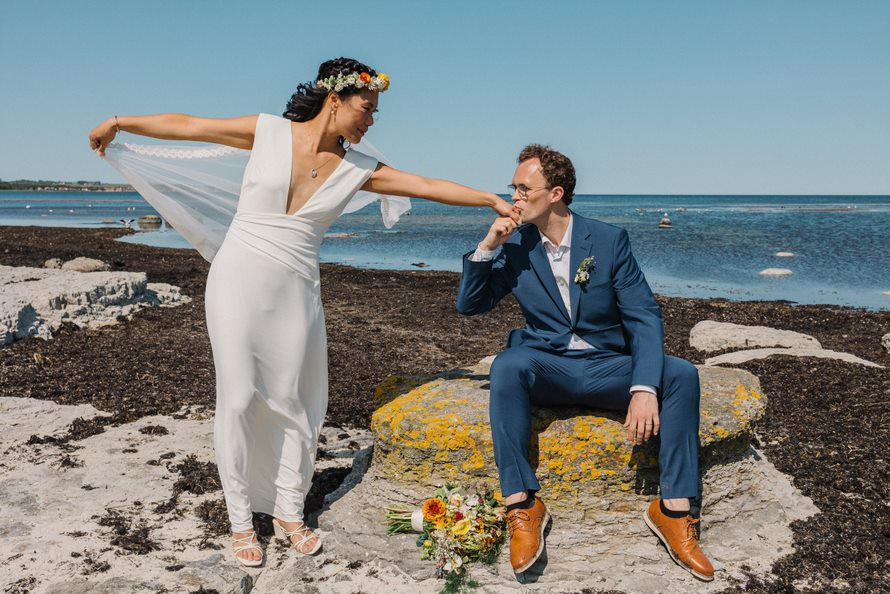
column 582, row 275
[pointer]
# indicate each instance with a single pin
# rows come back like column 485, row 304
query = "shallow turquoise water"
column 715, row 247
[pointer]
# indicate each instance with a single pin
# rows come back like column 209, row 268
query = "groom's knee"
column 681, row 376
column 510, row 366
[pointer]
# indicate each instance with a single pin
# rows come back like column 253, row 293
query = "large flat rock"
column 711, row 336
column 738, row 357
column 746, row 511
column 36, row 301
column 434, row 430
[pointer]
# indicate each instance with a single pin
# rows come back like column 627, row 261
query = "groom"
column 593, row 337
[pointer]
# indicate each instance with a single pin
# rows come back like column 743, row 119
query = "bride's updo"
column 306, row 102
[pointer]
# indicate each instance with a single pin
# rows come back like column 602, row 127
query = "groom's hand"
column 642, row 417
column 499, row 232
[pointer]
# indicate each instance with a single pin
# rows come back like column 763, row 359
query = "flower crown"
column 354, row 79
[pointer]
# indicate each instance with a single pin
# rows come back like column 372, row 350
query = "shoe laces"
column 691, row 531
column 517, row 517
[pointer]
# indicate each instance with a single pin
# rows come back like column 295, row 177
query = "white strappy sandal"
column 247, row 543
column 305, row 534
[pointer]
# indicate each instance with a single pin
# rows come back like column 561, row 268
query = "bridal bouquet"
column 456, row 528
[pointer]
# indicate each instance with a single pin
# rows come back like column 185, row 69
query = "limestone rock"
column 165, row 295
column 710, row 336
column 746, row 510
column 434, row 430
column 743, row 356
column 52, row 498
column 775, row 272
column 885, row 342
column 53, row 263
column 600, row 543
column 85, row 265
column 36, row 301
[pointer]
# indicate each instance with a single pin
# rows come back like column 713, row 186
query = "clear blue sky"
column 731, row 97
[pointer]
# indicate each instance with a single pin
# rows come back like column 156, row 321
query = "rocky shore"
column 825, row 425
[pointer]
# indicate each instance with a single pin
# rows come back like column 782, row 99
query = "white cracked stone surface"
column 36, row 301
column 48, row 512
column 737, row 357
column 710, row 336
column 747, row 508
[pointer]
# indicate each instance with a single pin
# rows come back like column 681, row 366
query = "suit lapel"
column 541, row 266
column 580, row 249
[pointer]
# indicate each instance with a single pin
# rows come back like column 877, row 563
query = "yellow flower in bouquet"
column 461, row 528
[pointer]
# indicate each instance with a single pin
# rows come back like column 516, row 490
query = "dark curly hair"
column 556, row 167
column 306, row 102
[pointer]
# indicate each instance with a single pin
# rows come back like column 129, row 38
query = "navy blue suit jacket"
column 613, row 311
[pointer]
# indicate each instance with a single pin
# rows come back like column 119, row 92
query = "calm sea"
column 715, row 247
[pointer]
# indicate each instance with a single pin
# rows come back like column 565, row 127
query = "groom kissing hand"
column 593, row 337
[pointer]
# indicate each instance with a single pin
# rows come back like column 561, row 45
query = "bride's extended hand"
column 102, row 135
column 505, row 209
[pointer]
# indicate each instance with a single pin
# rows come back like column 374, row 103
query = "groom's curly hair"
column 556, row 168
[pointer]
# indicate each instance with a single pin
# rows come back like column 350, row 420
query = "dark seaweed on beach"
column 21, row 586
column 196, row 477
column 154, row 430
column 827, row 423
column 126, row 536
column 214, row 517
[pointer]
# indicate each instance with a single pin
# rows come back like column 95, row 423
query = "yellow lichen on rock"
column 438, row 431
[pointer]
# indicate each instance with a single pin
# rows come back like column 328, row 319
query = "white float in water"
column 775, row 272
column 784, row 254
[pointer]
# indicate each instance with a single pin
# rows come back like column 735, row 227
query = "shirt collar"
column 566, row 239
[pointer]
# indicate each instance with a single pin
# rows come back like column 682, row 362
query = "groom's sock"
column 671, row 513
column 525, row 504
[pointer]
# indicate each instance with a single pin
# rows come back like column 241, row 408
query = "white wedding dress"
column 267, row 329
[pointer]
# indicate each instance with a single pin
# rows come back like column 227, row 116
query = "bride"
column 263, row 303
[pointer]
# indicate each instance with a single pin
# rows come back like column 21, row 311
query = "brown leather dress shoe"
column 527, row 535
column 681, row 541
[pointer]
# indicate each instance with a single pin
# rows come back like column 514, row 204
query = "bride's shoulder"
column 360, row 159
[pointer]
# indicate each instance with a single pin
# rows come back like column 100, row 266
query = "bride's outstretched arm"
column 386, row 180
column 236, row 132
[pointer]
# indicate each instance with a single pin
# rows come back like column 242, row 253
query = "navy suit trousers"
column 522, row 376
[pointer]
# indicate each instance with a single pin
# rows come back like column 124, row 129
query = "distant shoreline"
column 30, row 185
column 70, row 189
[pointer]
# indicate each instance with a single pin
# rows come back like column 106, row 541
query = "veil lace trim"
column 170, row 152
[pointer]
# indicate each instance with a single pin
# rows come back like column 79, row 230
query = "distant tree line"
column 42, row 185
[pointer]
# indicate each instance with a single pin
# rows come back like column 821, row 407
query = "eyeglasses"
column 523, row 189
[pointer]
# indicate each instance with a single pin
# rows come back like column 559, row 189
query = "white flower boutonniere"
column 582, row 275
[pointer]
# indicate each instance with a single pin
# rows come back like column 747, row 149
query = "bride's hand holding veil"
column 102, row 135
column 236, row 132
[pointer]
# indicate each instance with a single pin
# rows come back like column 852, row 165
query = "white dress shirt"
column 559, row 257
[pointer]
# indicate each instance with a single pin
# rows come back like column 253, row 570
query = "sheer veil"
column 196, row 189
